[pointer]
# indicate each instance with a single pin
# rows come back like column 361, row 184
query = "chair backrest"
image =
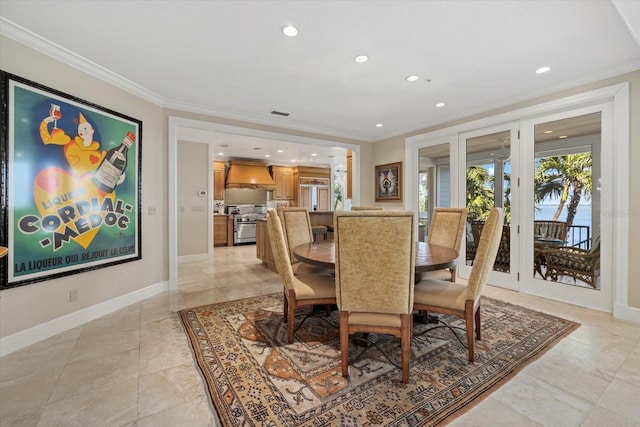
column 486, row 253
column 448, row 227
column 279, row 248
column 375, row 261
column 366, row 208
column 550, row 229
column 296, row 225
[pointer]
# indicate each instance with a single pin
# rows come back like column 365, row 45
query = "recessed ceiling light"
column 361, row 58
column 542, row 70
column 440, row 104
column 293, row 160
column 220, row 154
column 313, row 154
column 562, row 137
column 412, row 78
column 548, row 131
column 267, row 155
column 290, row 31
column 280, row 151
column 379, row 125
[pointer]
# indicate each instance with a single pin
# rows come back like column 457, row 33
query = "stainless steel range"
column 244, row 221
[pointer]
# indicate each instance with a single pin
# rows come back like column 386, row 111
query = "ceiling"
column 230, row 58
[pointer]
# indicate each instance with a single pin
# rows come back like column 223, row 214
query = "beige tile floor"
column 134, row 367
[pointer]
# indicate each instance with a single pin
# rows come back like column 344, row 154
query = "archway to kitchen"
column 182, row 129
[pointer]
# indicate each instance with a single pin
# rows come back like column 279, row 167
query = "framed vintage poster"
column 388, row 182
column 70, row 184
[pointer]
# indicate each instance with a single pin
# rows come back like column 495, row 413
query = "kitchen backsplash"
column 242, row 196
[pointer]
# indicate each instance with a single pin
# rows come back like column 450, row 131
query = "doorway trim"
column 618, row 95
column 177, row 128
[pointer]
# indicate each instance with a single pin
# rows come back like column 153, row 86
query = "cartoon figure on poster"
column 89, row 184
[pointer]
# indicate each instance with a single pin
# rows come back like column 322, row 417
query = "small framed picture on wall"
column 388, row 182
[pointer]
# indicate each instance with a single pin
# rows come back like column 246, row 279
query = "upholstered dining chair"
column 464, row 300
column 375, row 277
column 448, row 227
column 299, row 291
column 366, row 208
column 297, row 228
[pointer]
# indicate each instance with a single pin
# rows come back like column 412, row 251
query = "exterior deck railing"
column 579, row 236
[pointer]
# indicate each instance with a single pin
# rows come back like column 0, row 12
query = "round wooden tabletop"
column 3, row 251
column 428, row 257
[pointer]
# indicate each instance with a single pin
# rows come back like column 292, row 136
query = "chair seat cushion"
column 314, row 286
column 375, row 319
column 440, row 293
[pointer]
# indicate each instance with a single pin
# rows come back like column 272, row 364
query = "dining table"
column 429, row 256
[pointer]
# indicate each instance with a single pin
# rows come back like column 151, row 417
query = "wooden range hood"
column 248, row 174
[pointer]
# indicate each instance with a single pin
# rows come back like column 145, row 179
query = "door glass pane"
column 433, row 184
column 567, row 201
column 488, row 182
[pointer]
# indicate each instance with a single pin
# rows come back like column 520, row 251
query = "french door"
column 566, row 182
column 487, row 155
column 560, row 171
column 435, row 177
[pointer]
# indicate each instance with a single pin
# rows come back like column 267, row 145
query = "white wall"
column 193, row 209
column 26, row 306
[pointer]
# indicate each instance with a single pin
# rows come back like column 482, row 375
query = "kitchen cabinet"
column 312, row 188
column 314, row 194
column 349, row 174
column 283, row 178
column 222, row 230
column 263, row 245
column 323, row 198
column 218, row 180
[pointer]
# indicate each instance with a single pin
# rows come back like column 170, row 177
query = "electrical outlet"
column 73, row 295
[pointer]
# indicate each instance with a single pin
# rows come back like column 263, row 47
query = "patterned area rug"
column 255, row 378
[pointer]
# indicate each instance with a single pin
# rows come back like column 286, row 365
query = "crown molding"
column 26, row 37
column 198, row 109
column 39, row 43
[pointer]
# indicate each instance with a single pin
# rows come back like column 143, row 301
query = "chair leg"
column 406, row 327
column 292, row 319
column 285, row 308
column 344, row 342
column 469, row 324
column 478, row 323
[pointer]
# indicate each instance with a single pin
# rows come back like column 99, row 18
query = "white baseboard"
column 625, row 312
column 22, row 339
column 193, row 258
